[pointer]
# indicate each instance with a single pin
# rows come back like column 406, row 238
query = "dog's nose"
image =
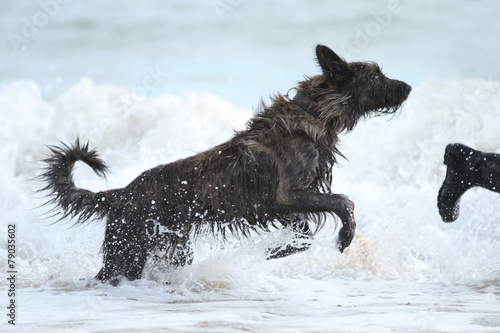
column 408, row 88
column 405, row 88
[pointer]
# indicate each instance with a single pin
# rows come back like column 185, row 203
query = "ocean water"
column 153, row 82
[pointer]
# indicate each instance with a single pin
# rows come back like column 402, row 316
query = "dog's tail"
column 70, row 201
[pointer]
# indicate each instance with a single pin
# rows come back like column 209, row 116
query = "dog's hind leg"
column 172, row 251
column 179, row 251
column 125, row 251
column 122, row 261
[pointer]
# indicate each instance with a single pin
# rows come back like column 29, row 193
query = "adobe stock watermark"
column 11, row 274
column 153, row 78
column 32, row 25
column 484, row 91
column 364, row 35
column 223, row 6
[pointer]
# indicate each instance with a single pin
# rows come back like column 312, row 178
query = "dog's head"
column 358, row 88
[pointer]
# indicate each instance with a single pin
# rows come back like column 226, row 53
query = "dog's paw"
column 296, row 246
column 346, row 234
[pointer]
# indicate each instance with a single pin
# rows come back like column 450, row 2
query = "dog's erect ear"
column 332, row 64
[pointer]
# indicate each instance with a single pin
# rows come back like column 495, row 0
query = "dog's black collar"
column 299, row 100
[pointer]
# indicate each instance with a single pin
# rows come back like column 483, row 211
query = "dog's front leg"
column 300, row 242
column 339, row 204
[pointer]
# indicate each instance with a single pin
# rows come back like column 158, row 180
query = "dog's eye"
column 323, row 86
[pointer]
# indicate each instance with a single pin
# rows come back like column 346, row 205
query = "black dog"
column 277, row 172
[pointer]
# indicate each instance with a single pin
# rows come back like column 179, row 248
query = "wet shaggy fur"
column 277, row 172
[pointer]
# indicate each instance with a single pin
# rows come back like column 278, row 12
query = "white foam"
column 393, row 175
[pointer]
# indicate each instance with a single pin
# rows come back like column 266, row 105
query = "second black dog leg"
column 301, row 241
